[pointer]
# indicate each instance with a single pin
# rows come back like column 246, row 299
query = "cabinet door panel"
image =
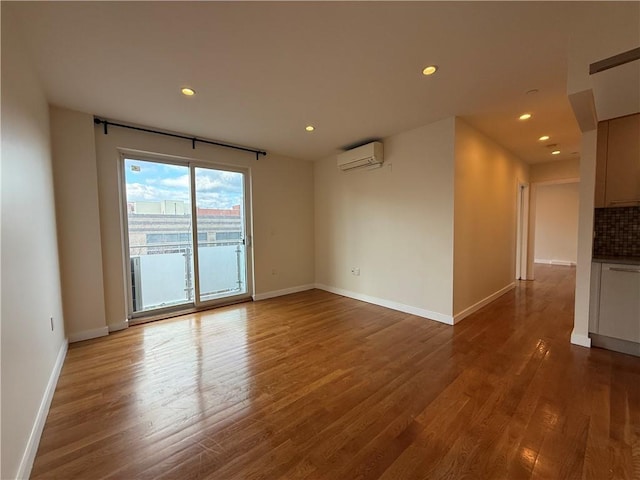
column 620, row 302
column 623, row 161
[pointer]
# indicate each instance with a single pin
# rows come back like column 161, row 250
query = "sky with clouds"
column 154, row 182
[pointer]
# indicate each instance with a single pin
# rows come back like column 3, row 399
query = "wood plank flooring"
column 318, row 386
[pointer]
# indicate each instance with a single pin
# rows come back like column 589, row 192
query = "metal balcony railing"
column 163, row 274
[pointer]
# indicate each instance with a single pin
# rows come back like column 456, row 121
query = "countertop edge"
column 618, row 260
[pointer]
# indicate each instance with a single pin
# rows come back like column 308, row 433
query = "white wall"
column 395, row 223
column 76, row 189
column 618, row 24
column 282, row 204
column 580, row 334
column 553, row 171
column 486, row 186
column 31, row 352
column 557, row 223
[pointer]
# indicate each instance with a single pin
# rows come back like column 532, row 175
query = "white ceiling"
column 262, row 71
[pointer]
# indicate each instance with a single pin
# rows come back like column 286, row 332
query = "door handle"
column 628, row 270
column 624, row 202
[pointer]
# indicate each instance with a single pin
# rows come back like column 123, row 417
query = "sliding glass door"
column 221, row 237
column 176, row 263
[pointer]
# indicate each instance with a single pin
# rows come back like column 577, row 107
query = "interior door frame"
column 195, row 305
column 522, row 230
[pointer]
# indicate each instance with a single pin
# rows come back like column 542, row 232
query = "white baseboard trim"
column 285, row 291
column 88, row 334
column 565, row 263
column 116, row 327
column 26, row 463
column 485, row 301
column 401, row 307
column 580, row 339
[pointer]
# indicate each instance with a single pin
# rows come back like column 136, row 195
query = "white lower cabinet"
column 619, row 302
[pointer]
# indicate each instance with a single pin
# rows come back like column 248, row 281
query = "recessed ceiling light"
column 189, row 92
column 430, row 70
column 525, row 116
column 555, row 152
column 309, row 128
column 544, row 138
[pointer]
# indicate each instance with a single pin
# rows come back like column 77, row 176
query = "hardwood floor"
column 318, row 386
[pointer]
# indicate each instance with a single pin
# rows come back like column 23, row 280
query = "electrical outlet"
column 51, row 322
column 273, row 271
column 355, row 271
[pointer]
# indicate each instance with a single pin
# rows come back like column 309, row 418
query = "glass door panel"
column 220, row 224
column 159, row 222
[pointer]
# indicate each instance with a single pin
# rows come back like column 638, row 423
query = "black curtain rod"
column 106, row 123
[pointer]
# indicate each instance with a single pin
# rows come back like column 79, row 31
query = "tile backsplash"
column 617, row 232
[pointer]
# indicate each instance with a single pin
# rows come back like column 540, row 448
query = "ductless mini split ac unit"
column 369, row 155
